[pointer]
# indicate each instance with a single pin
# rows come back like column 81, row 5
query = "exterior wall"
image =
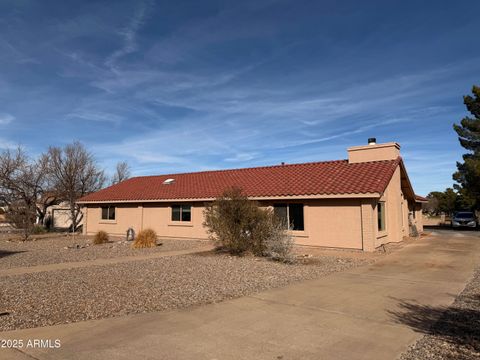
column 332, row 223
column 369, row 224
column 396, row 213
column 338, row 223
column 126, row 216
column 158, row 218
column 419, row 216
column 139, row 217
column 328, row 223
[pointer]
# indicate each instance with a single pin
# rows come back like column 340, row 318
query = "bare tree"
column 22, row 184
column 122, row 172
column 74, row 173
column 47, row 199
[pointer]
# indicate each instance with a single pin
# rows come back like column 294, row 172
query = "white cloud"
column 7, row 144
column 6, row 118
column 242, row 157
column 95, row 116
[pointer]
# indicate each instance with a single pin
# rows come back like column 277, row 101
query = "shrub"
column 279, row 245
column 145, row 239
column 239, row 226
column 38, row 229
column 101, row 237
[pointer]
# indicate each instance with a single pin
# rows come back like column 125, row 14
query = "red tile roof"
column 419, row 198
column 316, row 178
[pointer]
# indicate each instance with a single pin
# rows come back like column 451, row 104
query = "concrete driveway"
column 358, row 314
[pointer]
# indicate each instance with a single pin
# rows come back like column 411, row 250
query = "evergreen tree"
column 468, row 174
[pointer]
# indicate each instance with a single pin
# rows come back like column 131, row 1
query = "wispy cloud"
column 8, row 50
column 129, row 34
column 95, row 116
column 7, row 144
column 241, row 157
column 6, row 118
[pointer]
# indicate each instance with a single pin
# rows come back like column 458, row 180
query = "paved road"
column 356, row 314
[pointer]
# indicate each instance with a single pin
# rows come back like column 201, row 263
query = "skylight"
column 168, row 181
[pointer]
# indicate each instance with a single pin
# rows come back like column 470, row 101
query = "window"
column 291, row 214
column 381, row 215
column 181, row 212
column 108, row 212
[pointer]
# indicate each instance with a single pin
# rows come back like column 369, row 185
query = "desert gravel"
column 95, row 292
column 455, row 334
column 60, row 249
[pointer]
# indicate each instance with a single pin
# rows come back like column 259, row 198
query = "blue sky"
column 173, row 86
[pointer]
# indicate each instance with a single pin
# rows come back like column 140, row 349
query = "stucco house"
column 359, row 203
column 58, row 216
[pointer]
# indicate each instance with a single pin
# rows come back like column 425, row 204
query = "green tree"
column 468, row 173
column 444, row 201
column 449, row 201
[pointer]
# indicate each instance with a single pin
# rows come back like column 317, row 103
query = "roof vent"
column 372, row 141
column 169, row 182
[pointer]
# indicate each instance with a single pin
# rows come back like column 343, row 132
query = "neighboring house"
column 58, row 216
column 359, row 203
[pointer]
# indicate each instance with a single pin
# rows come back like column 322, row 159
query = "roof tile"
column 316, row 178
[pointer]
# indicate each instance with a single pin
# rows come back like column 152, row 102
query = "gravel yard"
column 56, row 249
column 456, row 335
column 94, row 292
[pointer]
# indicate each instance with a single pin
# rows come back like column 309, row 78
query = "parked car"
column 464, row 219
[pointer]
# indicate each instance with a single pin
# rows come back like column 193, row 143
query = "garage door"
column 61, row 218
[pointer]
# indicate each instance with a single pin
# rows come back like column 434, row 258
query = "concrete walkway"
column 356, row 314
column 104, row 261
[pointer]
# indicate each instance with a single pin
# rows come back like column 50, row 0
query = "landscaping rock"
column 95, row 292
column 51, row 250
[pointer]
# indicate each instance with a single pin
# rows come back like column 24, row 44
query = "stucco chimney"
column 373, row 152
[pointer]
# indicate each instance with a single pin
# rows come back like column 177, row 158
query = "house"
column 58, row 216
column 54, row 213
column 358, row 203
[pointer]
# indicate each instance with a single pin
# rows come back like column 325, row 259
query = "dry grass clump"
column 145, row 239
column 100, row 237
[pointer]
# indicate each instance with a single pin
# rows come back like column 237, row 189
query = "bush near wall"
column 238, row 225
column 100, row 237
column 145, row 239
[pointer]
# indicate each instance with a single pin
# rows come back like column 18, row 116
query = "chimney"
column 373, row 152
